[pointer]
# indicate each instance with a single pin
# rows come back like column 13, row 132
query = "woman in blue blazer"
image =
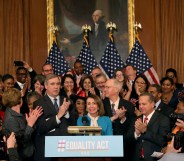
column 95, row 112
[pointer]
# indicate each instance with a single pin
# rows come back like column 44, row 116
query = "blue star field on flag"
column 142, row 63
column 57, row 60
column 111, row 60
column 87, row 58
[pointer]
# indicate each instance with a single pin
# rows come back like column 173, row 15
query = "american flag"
column 142, row 63
column 57, row 60
column 111, row 60
column 87, row 58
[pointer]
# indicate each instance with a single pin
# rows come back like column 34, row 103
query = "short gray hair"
column 51, row 76
column 117, row 84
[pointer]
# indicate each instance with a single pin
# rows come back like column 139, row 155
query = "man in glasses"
column 47, row 69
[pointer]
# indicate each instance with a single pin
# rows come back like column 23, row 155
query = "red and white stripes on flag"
column 142, row 63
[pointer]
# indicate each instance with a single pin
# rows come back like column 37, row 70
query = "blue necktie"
column 55, row 104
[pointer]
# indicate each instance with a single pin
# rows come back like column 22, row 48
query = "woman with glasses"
column 140, row 85
column 68, row 86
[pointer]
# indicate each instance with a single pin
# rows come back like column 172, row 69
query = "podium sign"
column 84, row 146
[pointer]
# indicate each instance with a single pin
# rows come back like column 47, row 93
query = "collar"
column 116, row 103
column 14, row 113
column 157, row 104
column 21, row 85
column 52, row 99
column 149, row 116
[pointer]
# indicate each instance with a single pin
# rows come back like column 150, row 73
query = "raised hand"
column 92, row 91
column 140, row 126
column 63, row 108
column 33, row 116
column 121, row 112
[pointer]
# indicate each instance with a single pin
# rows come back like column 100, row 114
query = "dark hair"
column 144, row 78
column 40, row 78
column 134, row 68
column 158, row 87
column 167, row 78
column 7, row 76
column 33, row 94
column 114, row 76
column 77, row 61
column 21, row 68
column 73, row 79
column 84, row 78
column 45, row 65
column 151, row 98
column 68, row 76
column 171, row 70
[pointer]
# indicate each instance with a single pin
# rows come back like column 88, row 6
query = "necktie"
column 113, row 110
column 142, row 149
column 55, row 104
column 146, row 120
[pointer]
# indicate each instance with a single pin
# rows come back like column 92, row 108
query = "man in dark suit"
column 122, row 114
column 57, row 116
column 23, row 83
column 160, row 106
column 148, row 130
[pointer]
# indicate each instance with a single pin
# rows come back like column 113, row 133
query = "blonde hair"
column 11, row 97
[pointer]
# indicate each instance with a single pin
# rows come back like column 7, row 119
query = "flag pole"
column 86, row 29
column 53, row 30
column 137, row 27
column 111, row 27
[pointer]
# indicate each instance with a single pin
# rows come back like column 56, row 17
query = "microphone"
column 84, row 120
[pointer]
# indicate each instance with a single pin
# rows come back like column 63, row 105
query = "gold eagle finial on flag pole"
column 53, row 29
column 137, row 27
column 86, row 29
column 111, row 27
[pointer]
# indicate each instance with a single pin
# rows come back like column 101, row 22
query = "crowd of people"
column 37, row 105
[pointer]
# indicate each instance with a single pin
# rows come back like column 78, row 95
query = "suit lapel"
column 153, row 119
column 49, row 103
column 108, row 105
column 160, row 107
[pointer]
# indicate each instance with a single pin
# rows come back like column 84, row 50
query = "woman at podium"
column 94, row 117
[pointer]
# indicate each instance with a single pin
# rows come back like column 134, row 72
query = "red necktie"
column 146, row 120
column 142, row 149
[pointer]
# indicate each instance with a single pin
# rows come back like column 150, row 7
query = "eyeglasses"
column 68, row 82
column 100, row 82
column 49, row 70
column 119, row 75
column 140, row 82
